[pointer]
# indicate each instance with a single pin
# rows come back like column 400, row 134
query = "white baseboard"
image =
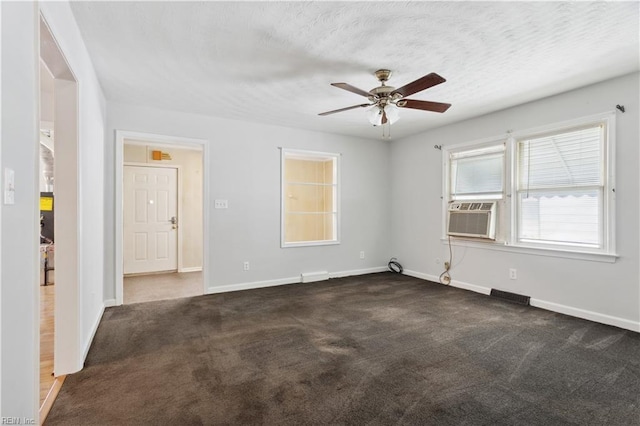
column 94, row 328
column 352, row 272
column 291, row 280
column 311, row 277
column 588, row 315
column 191, row 269
column 421, row 275
column 472, row 287
column 109, row 303
column 542, row 304
column 252, row 285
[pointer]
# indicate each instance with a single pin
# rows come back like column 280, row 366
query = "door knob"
column 173, row 220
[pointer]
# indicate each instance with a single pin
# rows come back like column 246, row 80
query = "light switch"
column 9, row 186
column 221, row 204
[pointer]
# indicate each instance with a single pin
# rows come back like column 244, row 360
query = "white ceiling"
column 273, row 62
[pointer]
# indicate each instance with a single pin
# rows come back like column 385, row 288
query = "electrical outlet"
column 245, row 266
column 513, row 274
column 438, row 260
column 361, row 255
column 447, row 265
column 221, row 204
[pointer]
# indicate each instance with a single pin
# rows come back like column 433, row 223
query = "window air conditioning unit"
column 472, row 219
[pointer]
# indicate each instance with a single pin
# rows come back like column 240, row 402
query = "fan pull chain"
column 388, row 135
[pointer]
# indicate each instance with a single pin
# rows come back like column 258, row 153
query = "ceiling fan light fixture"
column 375, row 115
column 393, row 113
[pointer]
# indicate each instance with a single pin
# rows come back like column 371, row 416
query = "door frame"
column 179, row 265
column 69, row 354
column 168, row 141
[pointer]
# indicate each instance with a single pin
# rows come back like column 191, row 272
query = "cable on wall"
column 445, row 277
column 394, row 266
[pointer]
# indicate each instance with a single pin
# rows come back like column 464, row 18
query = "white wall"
column 19, row 249
column 607, row 292
column 244, row 162
column 20, row 221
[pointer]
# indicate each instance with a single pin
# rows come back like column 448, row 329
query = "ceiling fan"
column 385, row 100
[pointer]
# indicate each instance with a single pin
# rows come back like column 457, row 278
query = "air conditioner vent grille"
column 472, row 219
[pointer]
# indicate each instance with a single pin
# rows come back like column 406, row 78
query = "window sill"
column 535, row 251
column 309, row 244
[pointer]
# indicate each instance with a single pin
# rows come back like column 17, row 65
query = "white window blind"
column 477, row 173
column 561, row 187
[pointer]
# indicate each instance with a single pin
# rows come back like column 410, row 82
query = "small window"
column 309, row 198
column 477, row 174
column 561, row 188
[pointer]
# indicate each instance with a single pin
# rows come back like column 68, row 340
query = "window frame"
column 447, row 182
column 337, row 205
column 607, row 229
column 507, row 228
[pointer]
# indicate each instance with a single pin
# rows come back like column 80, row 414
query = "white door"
column 150, row 219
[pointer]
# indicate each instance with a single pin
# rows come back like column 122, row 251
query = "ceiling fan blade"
column 344, row 109
column 352, row 89
column 423, row 105
column 384, row 117
column 420, row 84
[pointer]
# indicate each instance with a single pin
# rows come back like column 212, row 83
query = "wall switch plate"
column 221, row 204
column 9, row 186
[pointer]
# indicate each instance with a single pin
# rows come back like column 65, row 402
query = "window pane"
column 477, row 175
column 572, row 217
column 566, row 159
column 309, row 170
column 309, row 197
column 309, row 227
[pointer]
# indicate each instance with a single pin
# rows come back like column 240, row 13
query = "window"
column 309, row 198
column 477, row 174
column 554, row 186
column 560, row 187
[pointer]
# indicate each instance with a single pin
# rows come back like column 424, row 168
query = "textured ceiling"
column 273, row 62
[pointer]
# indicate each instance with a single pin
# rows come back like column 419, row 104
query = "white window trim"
column 337, row 157
column 510, row 243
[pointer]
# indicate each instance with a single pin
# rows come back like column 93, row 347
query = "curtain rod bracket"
column 438, row 147
column 620, row 107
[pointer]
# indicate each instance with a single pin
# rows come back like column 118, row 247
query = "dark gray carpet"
column 372, row 349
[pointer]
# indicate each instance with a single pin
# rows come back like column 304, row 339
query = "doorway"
column 150, row 219
column 162, row 244
column 59, row 326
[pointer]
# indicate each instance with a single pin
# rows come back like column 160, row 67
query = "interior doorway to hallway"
column 59, row 284
column 162, row 223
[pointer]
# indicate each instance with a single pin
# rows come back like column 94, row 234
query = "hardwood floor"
column 148, row 288
column 46, row 339
column 49, row 385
